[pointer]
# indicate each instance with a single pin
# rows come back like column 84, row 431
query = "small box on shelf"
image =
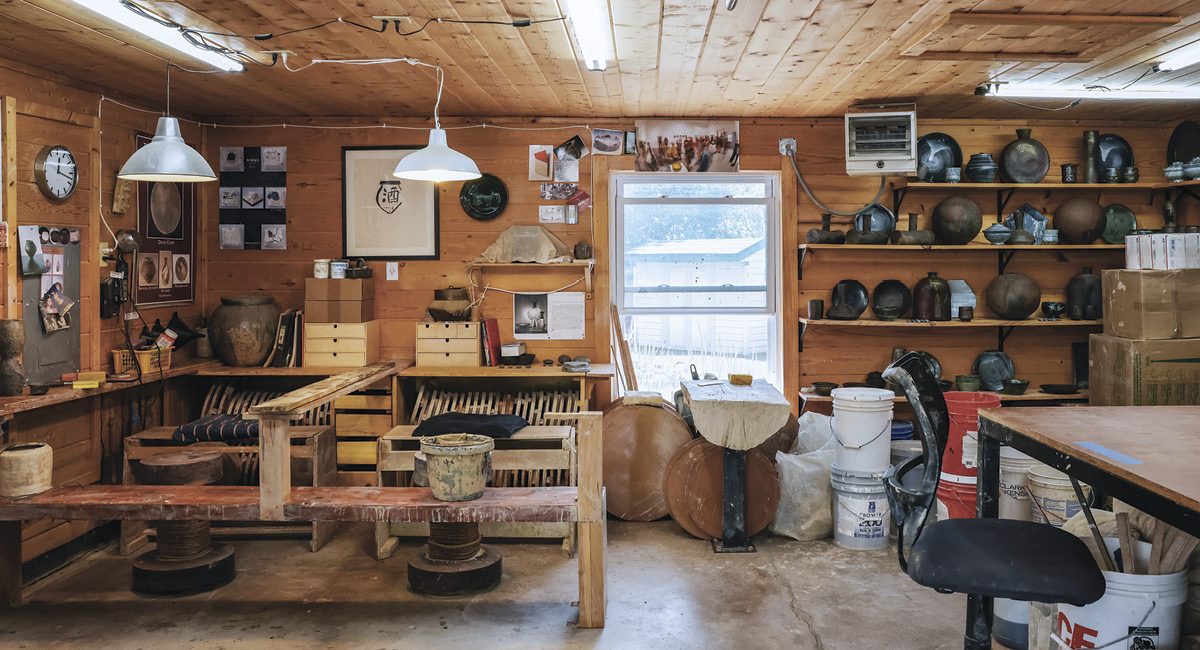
column 449, row 344
column 339, row 311
column 339, row 289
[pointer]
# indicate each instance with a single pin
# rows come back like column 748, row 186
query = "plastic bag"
column 805, row 496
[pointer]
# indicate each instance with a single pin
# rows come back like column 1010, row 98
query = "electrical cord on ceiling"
column 791, row 155
column 1064, row 107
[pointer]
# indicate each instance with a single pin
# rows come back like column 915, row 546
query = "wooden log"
column 736, row 417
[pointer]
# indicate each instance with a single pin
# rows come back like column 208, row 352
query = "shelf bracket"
column 1005, row 258
column 803, row 330
column 1002, row 198
column 898, row 195
column 800, row 263
column 1004, row 334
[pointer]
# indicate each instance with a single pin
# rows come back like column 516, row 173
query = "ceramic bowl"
column 1015, row 386
column 1059, row 389
column 945, row 384
column 1053, row 309
column 1192, row 169
column 997, row 233
column 968, row 383
column 1174, row 172
column 823, row 388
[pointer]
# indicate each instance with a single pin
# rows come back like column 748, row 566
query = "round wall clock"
column 56, row 172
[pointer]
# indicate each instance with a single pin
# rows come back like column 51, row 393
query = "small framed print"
column 165, row 272
column 181, row 267
column 631, row 142
column 274, row 236
column 541, row 161
column 276, row 198
column 231, row 198
column 566, row 171
column 253, row 198
column 233, row 159
column 384, row 217
column 274, row 159
column 233, row 236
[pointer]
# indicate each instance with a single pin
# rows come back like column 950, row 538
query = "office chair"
column 983, row 558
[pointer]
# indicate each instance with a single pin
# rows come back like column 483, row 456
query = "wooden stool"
column 184, row 560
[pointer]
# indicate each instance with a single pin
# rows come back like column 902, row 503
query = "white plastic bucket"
column 862, row 426
column 1014, row 484
column 1052, row 499
column 860, row 510
column 1136, row 611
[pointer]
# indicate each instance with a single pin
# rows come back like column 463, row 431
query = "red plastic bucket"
column 964, row 416
column 958, row 497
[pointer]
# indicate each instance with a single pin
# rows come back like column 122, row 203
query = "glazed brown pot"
column 12, row 338
column 1079, row 221
column 1013, row 296
column 243, row 328
column 12, row 377
column 957, row 220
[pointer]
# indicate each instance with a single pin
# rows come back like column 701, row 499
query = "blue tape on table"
column 1110, row 453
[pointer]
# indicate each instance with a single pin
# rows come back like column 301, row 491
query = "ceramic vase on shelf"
column 1091, row 156
column 1013, row 296
column 243, row 328
column 1084, row 296
column 981, row 168
column 931, row 299
column 1025, row 160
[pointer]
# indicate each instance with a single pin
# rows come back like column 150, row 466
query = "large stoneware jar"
column 243, row 328
column 1013, row 296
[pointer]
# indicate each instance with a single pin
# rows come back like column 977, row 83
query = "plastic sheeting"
column 805, row 496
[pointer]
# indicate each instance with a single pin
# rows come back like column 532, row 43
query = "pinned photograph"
column 165, row 272
column 530, row 314
column 231, row 198
column 32, row 261
column 182, row 266
column 274, row 159
column 274, row 236
column 147, row 269
column 687, row 146
column 166, row 211
column 552, row 214
column 233, row 236
column 541, row 157
column 276, row 198
column 558, row 191
column 631, row 142
column 573, row 149
column 566, row 171
column 253, row 198
column 233, row 159
column 607, row 142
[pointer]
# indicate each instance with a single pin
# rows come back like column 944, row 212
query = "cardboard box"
column 341, row 289
column 1151, row 304
column 339, row 311
column 1128, row 372
column 1144, row 251
column 1133, row 252
column 1158, row 252
column 1175, row 252
column 1191, row 250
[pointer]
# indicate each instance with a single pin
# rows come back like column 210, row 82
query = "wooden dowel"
column 1128, row 563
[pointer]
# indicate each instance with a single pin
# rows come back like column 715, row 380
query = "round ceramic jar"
column 321, row 269
column 243, row 328
column 337, row 269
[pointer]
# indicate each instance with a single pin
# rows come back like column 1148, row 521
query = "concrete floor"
column 666, row 590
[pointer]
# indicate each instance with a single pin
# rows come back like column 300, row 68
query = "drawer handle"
column 335, row 340
column 447, row 340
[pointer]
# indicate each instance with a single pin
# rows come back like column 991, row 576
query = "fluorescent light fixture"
column 593, row 30
column 437, row 162
column 1062, row 92
column 116, row 12
column 1181, row 59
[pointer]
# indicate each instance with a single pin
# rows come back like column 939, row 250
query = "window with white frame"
column 696, row 274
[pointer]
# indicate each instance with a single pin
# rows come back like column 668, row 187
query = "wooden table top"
column 1156, row 447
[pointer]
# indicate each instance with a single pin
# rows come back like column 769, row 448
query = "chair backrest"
column 910, row 507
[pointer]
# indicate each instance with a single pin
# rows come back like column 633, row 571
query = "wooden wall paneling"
column 12, row 307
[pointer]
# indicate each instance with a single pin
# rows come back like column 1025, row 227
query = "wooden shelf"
column 967, row 247
column 232, row 371
column 587, row 266
column 599, row 370
column 904, row 182
column 978, row 322
column 1171, row 186
column 1031, row 395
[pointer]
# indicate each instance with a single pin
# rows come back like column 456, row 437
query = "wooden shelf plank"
column 978, row 322
column 233, row 371
column 599, row 370
column 966, row 247
column 241, row 503
column 1170, row 186
column 1031, row 395
column 576, row 264
column 1144, row 185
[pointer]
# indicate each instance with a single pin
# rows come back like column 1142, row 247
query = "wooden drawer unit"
column 448, row 344
column 341, row 344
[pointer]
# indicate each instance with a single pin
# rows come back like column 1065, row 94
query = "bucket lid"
column 1048, row 472
column 858, row 394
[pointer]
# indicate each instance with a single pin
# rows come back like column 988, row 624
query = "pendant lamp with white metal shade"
column 167, row 158
column 437, row 162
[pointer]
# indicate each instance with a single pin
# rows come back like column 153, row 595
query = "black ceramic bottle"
column 1083, row 296
column 931, row 299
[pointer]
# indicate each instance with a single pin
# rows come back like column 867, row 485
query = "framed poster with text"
column 163, row 265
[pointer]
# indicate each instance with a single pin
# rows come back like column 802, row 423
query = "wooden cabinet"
column 449, row 344
column 341, row 344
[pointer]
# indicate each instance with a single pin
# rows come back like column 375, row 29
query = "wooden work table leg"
column 593, row 538
column 592, row 529
column 275, row 470
column 10, row 564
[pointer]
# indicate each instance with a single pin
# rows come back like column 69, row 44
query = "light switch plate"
column 393, row 270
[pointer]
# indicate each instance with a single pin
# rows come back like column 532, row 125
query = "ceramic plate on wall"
column 1115, row 152
column 484, row 198
column 876, row 219
column 938, row 152
column 1119, row 221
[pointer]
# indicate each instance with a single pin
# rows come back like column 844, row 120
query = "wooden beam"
column 1034, row 57
column 590, row 444
column 1057, row 20
column 294, row 404
column 8, row 185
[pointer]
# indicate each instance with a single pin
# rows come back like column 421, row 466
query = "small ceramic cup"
column 1050, row 236
column 954, row 175
column 1070, row 173
column 1112, row 175
column 966, row 313
column 1130, row 175
column 816, row 309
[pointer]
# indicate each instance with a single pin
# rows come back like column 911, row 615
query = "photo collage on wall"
column 253, row 198
column 162, row 266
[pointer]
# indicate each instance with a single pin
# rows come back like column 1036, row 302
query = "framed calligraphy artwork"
column 384, row 217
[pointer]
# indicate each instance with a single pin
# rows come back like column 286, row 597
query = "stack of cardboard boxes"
column 1149, row 353
column 339, row 322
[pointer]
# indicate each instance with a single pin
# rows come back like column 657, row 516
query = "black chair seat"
column 1002, row 558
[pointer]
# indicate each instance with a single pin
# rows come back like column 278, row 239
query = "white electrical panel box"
column 881, row 143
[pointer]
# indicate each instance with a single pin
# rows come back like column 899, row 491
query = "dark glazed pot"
column 982, row 168
column 957, row 220
column 12, row 377
column 243, row 328
column 1079, row 221
column 12, row 338
column 931, row 299
column 1025, row 160
column 849, row 300
column 1083, row 291
column 890, row 300
column 1013, row 296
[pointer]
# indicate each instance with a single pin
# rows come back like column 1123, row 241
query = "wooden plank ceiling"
column 766, row 58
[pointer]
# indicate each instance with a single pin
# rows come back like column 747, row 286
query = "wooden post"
column 275, row 467
column 10, row 564
column 11, row 281
column 592, row 529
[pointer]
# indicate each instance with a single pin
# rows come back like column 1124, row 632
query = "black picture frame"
column 428, row 205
